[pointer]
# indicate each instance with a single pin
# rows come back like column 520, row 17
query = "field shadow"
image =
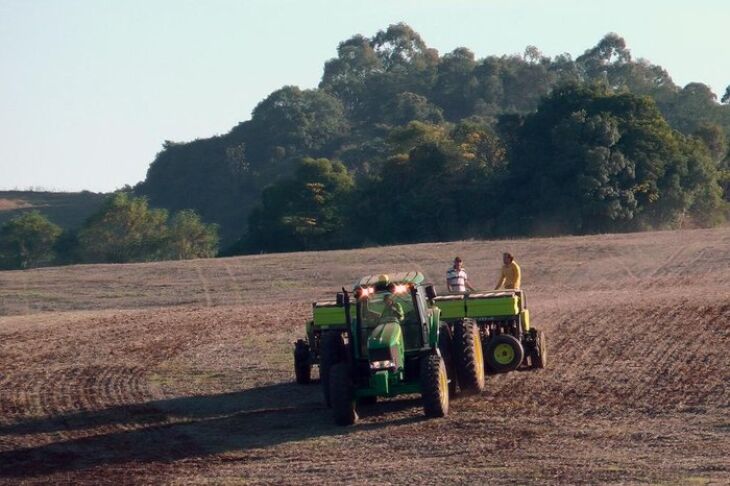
column 181, row 428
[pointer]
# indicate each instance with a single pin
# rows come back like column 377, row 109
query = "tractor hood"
column 386, row 344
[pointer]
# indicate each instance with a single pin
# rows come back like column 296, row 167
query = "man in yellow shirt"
column 511, row 276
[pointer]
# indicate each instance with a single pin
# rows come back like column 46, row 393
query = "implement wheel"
column 342, row 394
column 302, row 363
column 469, row 356
column 332, row 352
column 539, row 354
column 434, row 386
column 504, row 353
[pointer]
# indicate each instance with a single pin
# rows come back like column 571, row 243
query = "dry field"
column 181, row 372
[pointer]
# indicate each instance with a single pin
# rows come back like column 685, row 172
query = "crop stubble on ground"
column 181, row 372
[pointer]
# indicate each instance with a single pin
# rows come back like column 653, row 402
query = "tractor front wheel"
column 302, row 362
column 342, row 394
column 434, row 386
column 446, row 345
column 469, row 356
column 504, row 353
column 332, row 352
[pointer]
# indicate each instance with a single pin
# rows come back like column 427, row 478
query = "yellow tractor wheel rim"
column 479, row 358
column 443, row 386
column 504, row 354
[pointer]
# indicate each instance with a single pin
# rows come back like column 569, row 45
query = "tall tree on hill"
column 437, row 184
column 299, row 122
column 346, row 75
column 456, row 85
column 188, row 237
column 27, row 241
column 213, row 176
column 693, row 106
column 379, row 83
column 592, row 161
column 125, row 230
column 305, row 211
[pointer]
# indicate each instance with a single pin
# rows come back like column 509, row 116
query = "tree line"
column 399, row 143
column 125, row 229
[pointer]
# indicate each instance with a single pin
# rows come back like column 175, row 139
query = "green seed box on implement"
column 503, row 320
column 384, row 338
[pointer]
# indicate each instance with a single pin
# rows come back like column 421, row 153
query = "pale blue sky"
column 89, row 90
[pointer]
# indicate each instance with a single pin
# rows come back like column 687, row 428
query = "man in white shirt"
column 456, row 278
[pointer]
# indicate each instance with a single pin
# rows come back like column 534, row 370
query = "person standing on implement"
column 511, row 276
column 456, row 278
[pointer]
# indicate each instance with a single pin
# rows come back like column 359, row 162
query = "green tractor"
column 385, row 338
column 503, row 322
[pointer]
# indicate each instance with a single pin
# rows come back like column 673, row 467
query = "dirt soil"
column 8, row 204
column 181, row 372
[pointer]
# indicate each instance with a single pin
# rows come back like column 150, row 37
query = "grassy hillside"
column 66, row 209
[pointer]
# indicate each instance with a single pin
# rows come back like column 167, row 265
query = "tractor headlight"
column 382, row 365
column 400, row 289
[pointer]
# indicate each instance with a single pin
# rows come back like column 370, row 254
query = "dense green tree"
column 471, row 112
column 66, row 248
column 590, row 161
column 27, row 241
column 438, row 183
column 714, row 138
column 305, row 211
column 298, row 121
column 346, row 75
column 456, row 84
column 188, row 237
column 213, row 176
column 693, row 106
column 409, row 107
column 125, row 230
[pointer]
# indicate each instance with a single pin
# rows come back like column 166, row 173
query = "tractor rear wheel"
column 342, row 394
column 302, row 362
column 469, row 356
column 332, row 352
column 434, row 386
column 504, row 353
column 446, row 346
column 371, row 400
column 539, row 354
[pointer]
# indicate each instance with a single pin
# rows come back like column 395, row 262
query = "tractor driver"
column 392, row 310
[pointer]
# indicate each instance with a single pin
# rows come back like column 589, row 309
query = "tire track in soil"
column 673, row 257
column 643, row 370
column 72, row 390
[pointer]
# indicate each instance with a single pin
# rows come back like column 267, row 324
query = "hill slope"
column 66, row 209
column 181, row 371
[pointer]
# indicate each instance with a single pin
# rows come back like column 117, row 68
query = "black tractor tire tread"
column 332, row 352
column 431, row 368
column 302, row 364
column 540, row 353
column 342, row 394
column 466, row 337
column 367, row 401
